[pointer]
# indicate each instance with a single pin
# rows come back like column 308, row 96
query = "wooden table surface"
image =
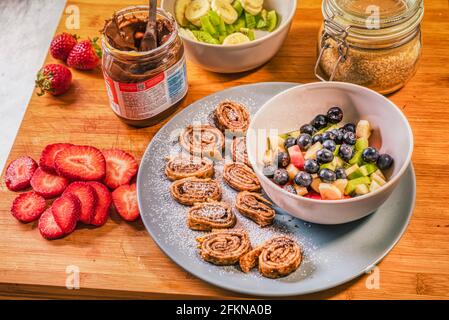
column 121, row 260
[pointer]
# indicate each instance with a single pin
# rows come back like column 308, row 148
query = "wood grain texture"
column 121, row 260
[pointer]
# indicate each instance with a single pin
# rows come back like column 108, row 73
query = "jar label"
column 143, row 100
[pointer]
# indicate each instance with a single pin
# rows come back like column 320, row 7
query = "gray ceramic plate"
column 333, row 255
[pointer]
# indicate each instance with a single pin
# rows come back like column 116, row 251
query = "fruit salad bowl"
column 243, row 56
column 286, row 112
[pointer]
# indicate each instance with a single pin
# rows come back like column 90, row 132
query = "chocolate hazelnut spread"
column 143, row 86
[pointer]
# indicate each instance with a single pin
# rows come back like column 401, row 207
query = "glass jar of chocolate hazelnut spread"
column 143, row 86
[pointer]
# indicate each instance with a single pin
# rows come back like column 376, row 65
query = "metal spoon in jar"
column 149, row 40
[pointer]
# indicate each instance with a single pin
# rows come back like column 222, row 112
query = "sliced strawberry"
column 19, row 173
column 66, row 211
column 103, row 204
column 48, row 227
column 48, row 185
column 28, row 207
column 84, row 163
column 88, row 198
column 296, row 157
column 121, row 167
column 125, row 201
column 48, row 155
column 313, row 195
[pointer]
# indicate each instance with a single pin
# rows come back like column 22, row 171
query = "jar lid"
column 374, row 17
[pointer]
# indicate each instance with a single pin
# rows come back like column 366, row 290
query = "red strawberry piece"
column 54, row 79
column 19, row 173
column 62, row 44
column 121, row 167
column 85, row 55
column 28, row 207
column 88, row 198
column 81, row 163
column 313, row 195
column 48, row 227
column 48, row 185
column 103, row 204
column 48, row 155
column 125, row 201
column 66, row 211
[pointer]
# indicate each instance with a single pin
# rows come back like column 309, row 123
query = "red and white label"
column 143, row 100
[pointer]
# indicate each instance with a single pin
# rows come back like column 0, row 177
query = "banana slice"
column 186, row 33
column 180, row 10
column 195, row 10
column 252, row 6
column 225, row 10
column 235, row 38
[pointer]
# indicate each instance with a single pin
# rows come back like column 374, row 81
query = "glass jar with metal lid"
column 374, row 43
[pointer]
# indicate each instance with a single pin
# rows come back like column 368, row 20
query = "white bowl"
column 242, row 57
column 292, row 108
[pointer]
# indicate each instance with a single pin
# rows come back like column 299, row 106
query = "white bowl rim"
column 342, row 201
column 281, row 27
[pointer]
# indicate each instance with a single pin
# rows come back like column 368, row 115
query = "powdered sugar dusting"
column 170, row 217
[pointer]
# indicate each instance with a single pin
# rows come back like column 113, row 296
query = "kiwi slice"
column 272, row 20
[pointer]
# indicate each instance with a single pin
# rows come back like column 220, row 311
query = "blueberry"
column 269, row 170
column 289, row 142
column 303, row 179
column 327, row 175
column 338, row 133
column 324, row 156
column 283, row 159
column 385, row 161
column 317, row 138
column 340, row 173
column 328, row 135
column 289, row 188
column 346, row 152
column 311, row 166
column 329, row 145
column 280, row 176
column 349, row 127
column 349, row 138
column 304, row 141
column 370, row 154
column 334, row 115
column 319, row 122
column 307, row 128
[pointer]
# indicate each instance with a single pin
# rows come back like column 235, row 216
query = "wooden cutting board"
column 120, row 260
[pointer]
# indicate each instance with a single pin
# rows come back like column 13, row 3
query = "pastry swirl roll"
column 224, row 247
column 206, row 216
column 192, row 190
column 277, row 257
column 238, row 151
column 202, row 140
column 255, row 207
column 232, row 116
column 240, row 177
column 184, row 166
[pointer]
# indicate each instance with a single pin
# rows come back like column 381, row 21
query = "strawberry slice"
column 48, row 185
column 66, row 211
column 87, row 197
column 48, row 155
column 19, row 173
column 48, row 227
column 125, row 201
column 84, row 163
column 28, row 207
column 121, row 167
column 313, row 195
column 103, row 204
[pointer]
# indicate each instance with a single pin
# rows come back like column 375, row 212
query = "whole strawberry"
column 61, row 45
column 54, row 79
column 85, row 55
